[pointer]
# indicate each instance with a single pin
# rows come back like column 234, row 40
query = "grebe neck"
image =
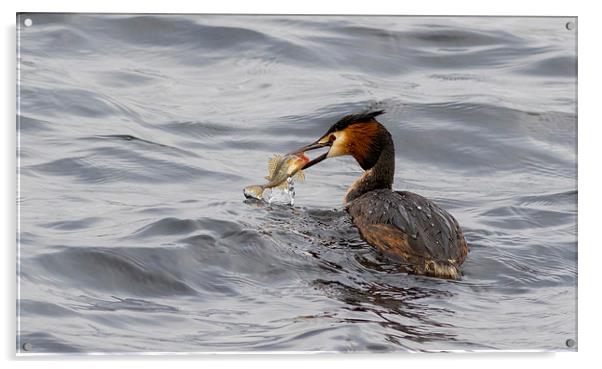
column 380, row 176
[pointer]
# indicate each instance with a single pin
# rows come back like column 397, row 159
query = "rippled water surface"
column 138, row 133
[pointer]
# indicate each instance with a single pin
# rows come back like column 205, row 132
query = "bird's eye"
column 332, row 138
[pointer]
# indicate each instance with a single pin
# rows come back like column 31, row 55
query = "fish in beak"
column 314, row 146
column 280, row 168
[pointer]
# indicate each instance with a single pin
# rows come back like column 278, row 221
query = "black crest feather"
column 354, row 119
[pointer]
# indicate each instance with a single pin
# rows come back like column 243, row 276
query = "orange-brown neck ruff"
column 363, row 143
column 375, row 152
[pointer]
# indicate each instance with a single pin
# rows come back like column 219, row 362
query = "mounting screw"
column 570, row 26
column 28, row 22
column 570, row 343
column 27, row 346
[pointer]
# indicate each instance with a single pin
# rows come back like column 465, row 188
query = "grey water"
column 137, row 133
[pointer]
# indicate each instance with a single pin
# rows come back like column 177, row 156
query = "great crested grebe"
column 401, row 224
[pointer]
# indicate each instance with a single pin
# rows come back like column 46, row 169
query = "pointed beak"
column 313, row 146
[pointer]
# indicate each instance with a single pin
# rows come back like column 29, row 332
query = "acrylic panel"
column 137, row 134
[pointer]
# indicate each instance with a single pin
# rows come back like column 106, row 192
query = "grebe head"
column 358, row 135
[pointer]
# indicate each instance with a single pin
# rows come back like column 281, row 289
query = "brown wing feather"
column 411, row 228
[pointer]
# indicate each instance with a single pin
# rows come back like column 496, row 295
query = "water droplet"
column 419, row 207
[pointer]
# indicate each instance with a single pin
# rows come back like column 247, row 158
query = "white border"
column 589, row 174
column 423, row 7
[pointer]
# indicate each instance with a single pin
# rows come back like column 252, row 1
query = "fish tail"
column 255, row 191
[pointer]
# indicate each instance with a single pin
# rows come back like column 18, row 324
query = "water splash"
column 283, row 196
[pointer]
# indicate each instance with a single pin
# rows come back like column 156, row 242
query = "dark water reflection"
column 138, row 133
